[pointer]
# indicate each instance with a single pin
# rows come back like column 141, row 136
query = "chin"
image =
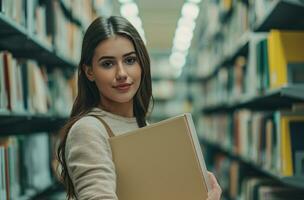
column 123, row 99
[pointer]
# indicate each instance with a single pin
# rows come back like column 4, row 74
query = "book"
column 160, row 161
column 3, row 92
column 254, row 68
column 286, row 59
column 296, row 128
column 292, row 126
column 279, row 193
column 2, row 173
column 5, row 144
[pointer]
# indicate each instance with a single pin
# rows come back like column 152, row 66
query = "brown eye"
column 107, row 64
column 130, row 60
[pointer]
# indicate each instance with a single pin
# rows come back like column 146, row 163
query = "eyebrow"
column 112, row 57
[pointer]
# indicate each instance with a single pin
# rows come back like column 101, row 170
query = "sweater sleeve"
column 89, row 161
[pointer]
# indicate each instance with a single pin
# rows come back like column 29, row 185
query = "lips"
column 123, row 87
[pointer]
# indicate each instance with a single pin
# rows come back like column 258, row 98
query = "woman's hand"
column 216, row 191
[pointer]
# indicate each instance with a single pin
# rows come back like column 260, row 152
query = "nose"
column 121, row 73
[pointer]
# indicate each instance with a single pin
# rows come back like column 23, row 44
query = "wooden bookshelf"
column 281, row 14
column 29, row 123
column 275, row 99
column 240, row 49
column 290, row 181
column 234, row 87
column 25, row 45
column 68, row 14
column 18, row 40
column 51, row 189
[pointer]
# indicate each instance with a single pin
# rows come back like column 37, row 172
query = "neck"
column 122, row 109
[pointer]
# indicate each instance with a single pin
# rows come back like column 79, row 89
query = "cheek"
column 137, row 73
column 103, row 81
column 137, row 76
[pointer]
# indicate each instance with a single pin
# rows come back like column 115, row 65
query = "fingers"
column 212, row 179
column 216, row 191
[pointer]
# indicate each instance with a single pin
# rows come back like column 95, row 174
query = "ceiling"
column 159, row 22
column 159, row 18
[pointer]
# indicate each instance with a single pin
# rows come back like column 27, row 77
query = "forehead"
column 114, row 46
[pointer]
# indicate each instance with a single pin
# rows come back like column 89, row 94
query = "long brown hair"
column 88, row 94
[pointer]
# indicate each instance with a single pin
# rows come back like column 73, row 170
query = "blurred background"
column 236, row 65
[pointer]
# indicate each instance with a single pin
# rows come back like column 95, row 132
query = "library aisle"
column 236, row 65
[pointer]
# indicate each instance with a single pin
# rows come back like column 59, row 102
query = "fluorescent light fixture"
column 186, row 22
column 190, row 10
column 142, row 34
column 181, row 46
column 183, row 32
column 129, row 10
column 182, row 38
column 182, row 41
column 177, row 59
column 125, row 1
column 195, row 1
column 141, row 31
column 135, row 21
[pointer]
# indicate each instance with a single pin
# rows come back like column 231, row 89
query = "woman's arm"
column 89, row 161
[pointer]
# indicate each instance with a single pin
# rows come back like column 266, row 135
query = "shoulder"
column 87, row 128
column 87, row 122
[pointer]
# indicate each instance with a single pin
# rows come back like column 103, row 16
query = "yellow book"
column 285, row 50
column 286, row 168
column 161, row 161
column 288, row 147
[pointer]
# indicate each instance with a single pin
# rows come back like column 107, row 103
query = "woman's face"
column 115, row 70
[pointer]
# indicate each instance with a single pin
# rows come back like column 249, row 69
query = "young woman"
column 114, row 83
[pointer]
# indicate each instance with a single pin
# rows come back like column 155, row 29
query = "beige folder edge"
column 198, row 149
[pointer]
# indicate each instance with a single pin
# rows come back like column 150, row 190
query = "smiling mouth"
column 123, row 87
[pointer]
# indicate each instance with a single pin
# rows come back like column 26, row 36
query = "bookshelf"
column 283, row 97
column 293, row 181
column 240, row 109
column 279, row 15
column 69, row 14
column 32, row 47
column 47, row 192
column 241, row 48
column 29, row 123
column 39, row 54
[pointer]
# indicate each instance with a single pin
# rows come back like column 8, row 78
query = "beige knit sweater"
column 89, row 158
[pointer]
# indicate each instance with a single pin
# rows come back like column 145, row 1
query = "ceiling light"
column 129, row 10
column 183, row 32
column 181, row 46
column 135, row 21
column 177, row 59
column 186, row 22
column 195, row 1
column 182, row 37
column 185, row 41
column 124, row 1
column 190, row 10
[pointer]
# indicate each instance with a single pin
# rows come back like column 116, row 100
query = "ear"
column 89, row 72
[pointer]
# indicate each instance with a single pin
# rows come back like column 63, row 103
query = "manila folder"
column 162, row 161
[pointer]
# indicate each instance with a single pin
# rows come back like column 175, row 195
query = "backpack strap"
column 110, row 132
